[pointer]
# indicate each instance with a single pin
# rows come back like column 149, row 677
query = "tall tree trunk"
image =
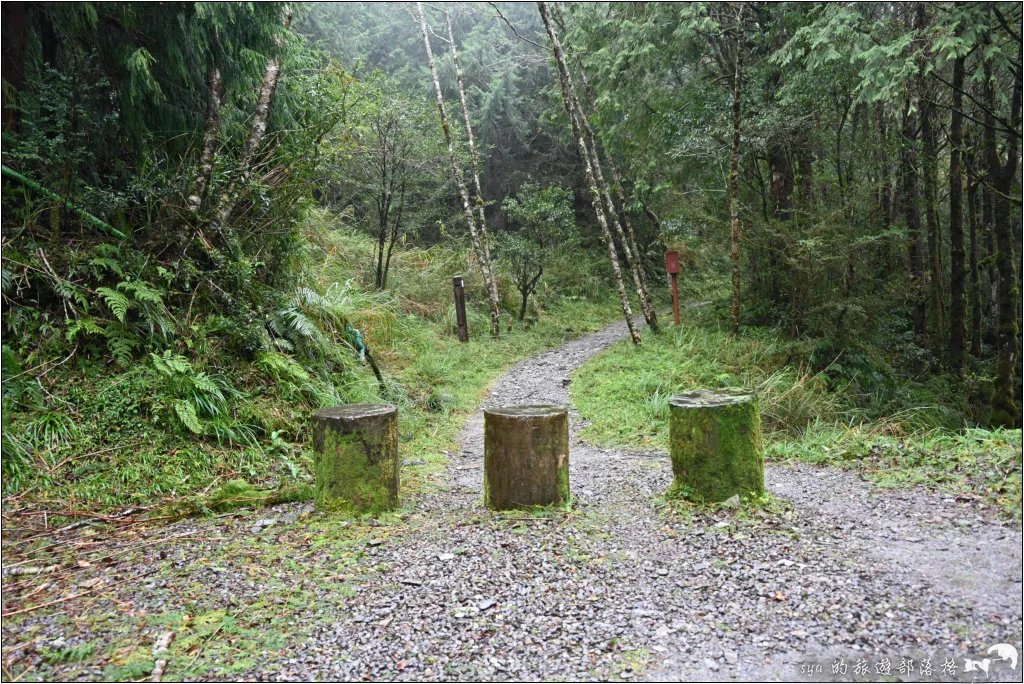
column 885, row 199
column 627, row 237
column 13, row 60
column 957, row 254
column 972, row 222
column 492, row 292
column 734, row 190
column 481, row 255
column 987, row 220
column 912, row 210
column 929, row 162
column 260, row 121
column 646, row 304
column 208, row 153
column 568, row 98
column 1004, row 408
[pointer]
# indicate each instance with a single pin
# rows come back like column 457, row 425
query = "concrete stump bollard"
column 526, row 456
column 715, row 443
column 356, row 464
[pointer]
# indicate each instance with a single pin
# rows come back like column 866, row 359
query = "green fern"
column 116, row 302
column 142, row 291
column 110, row 264
column 83, row 326
column 70, row 292
column 283, row 367
column 186, row 413
column 170, row 363
column 121, row 345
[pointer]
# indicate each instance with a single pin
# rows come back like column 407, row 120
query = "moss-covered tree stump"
column 715, row 444
column 526, row 456
column 356, row 464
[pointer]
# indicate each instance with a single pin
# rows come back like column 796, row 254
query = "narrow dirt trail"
column 622, row 588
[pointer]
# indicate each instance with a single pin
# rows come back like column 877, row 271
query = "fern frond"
column 116, row 302
column 170, row 363
column 187, row 415
column 142, row 291
column 121, row 345
column 70, row 292
column 112, row 265
column 83, row 326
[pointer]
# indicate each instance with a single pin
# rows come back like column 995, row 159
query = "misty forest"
column 511, row 341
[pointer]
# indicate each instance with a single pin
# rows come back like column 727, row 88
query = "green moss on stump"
column 715, row 444
column 526, row 456
column 356, row 464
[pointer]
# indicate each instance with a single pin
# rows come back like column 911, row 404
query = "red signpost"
column 672, row 266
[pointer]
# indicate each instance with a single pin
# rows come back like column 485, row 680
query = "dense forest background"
column 219, row 217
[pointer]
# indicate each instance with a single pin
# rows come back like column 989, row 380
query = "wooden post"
column 460, row 309
column 715, row 444
column 672, row 266
column 526, row 456
column 356, row 464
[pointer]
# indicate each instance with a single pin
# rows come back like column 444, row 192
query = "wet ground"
column 832, row 573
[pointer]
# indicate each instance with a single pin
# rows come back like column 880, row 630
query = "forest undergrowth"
column 847, row 407
column 196, row 427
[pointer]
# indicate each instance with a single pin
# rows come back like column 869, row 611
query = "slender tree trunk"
column 492, row 291
column 734, row 191
column 13, row 60
column 395, row 228
column 208, row 154
column 912, row 210
column 260, row 121
column 627, row 237
column 481, row 255
column 1004, row 408
column 957, row 254
column 383, row 209
column 568, row 97
column 972, row 222
column 646, row 304
column 885, row 192
column 929, row 163
column 987, row 221
column 528, row 287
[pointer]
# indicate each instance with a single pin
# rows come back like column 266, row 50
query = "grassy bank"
column 191, row 423
column 898, row 431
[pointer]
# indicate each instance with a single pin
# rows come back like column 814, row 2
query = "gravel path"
column 626, row 587
column 841, row 569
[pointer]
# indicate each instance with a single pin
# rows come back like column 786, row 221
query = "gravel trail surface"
column 836, row 571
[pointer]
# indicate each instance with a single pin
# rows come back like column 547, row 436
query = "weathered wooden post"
column 460, row 309
column 356, row 464
column 526, row 456
column 672, row 266
column 715, row 443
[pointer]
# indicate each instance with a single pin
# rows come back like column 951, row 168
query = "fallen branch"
column 161, row 655
column 28, row 570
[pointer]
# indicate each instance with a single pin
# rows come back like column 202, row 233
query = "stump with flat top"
column 356, row 464
column 526, row 456
column 715, row 444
